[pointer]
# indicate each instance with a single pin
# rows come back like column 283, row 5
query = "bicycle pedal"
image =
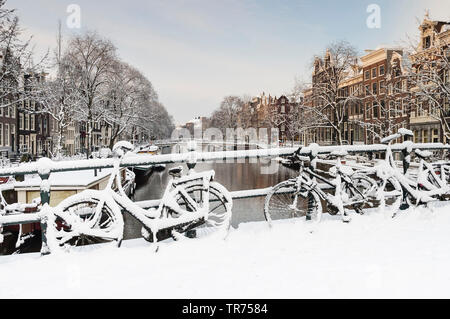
column 404, row 206
column 191, row 233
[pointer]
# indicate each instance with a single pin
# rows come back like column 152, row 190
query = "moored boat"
column 143, row 171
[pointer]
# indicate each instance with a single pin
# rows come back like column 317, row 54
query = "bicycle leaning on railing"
column 191, row 203
column 302, row 196
column 401, row 189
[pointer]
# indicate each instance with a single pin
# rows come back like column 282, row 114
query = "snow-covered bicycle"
column 403, row 189
column 302, row 196
column 190, row 203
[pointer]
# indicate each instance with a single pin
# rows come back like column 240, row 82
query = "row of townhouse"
column 271, row 112
column 383, row 97
column 23, row 130
column 26, row 130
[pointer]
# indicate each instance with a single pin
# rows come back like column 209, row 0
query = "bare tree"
column 58, row 97
column 130, row 97
column 386, row 109
column 328, row 101
column 429, row 78
column 155, row 121
column 16, row 59
column 227, row 115
column 92, row 57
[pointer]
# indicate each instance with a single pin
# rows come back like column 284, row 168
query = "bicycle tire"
column 279, row 203
column 75, row 225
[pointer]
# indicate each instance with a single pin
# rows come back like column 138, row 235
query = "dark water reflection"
column 234, row 176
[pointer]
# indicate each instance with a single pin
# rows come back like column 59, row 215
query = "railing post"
column 45, row 165
column 406, row 154
column 406, row 159
column 312, row 165
column 192, row 159
column 45, row 201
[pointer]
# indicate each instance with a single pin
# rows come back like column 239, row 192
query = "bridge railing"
column 44, row 167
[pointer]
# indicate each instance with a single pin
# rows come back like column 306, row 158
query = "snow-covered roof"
column 197, row 122
column 73, row 179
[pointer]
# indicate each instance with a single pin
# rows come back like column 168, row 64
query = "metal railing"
column 45, row 166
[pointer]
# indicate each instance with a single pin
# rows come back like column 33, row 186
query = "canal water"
column 234, row 176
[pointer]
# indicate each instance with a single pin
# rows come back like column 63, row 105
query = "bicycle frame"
column 336, row 200
column 154, row 219
column 421, row 190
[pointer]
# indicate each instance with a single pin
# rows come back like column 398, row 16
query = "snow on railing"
column 131, row 159
column 44, row 166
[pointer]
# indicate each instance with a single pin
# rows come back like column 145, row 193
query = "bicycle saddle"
column 175, row 171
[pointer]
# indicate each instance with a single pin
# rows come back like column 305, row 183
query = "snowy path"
column 373, row 256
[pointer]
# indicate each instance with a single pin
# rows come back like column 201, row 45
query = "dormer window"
column 426, row 42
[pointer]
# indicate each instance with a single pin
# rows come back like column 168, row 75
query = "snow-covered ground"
column 373, row 256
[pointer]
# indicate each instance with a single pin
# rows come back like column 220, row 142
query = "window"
column 392, row 110
column 426, row 42
column 7, row 111
column 27, row 121
column 381, row 71
column 283, row 109
column 399, row 108
column 435, row 135
column 7, row 134
column 368, row 110
column 13, row 111
column 382, row 87
column 416, row 136
column 1, row 111
column 33, row 122
column 375, row 110
column 1, row 134
column 20, row 121
column 425, row 136
column 375, row 88
column 21, row 142
column 367, row 75
column 374, row 73
column 419, row 109
column 367, row 90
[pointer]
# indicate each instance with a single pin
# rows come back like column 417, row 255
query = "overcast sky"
column 195, row 52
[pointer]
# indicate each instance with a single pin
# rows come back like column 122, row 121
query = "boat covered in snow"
column 143, row 171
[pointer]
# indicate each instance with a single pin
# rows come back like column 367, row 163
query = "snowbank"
column 373, row 256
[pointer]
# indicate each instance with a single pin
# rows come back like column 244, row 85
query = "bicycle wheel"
column 219, row 213
column 389, row 193
column 283, row 203
column 360, row 191
column 78, row 223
